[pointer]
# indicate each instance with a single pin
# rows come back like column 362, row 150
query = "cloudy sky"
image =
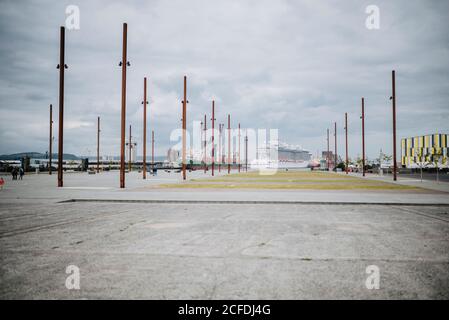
column 293, row 65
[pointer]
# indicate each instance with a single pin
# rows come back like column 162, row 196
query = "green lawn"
column 287, row 180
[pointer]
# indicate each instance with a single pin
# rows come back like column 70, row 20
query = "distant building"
column 425, row 150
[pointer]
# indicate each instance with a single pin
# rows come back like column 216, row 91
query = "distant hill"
column 36, row 155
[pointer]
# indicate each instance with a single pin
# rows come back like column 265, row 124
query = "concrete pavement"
column 224, row 251
column 227, row 250
column 408, row 180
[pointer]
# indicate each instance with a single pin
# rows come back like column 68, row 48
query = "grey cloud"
column 293, row 65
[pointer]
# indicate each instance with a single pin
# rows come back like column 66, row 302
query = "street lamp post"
column 220, row 129
column 213, row 142
column 229, row 143
column 239, row 150
column 130, row 147
column 61, row 66
column 184, row 128
column 205, row 145
column 144, row 102
column 50, row 147
column 363, row 136
column 152, row 150
column 98, row 145
column 327, row 154
column 124, row 63
column 346, row 138
column 393, row 98
column 202, row 141
column 335, row 136
column 246, row 151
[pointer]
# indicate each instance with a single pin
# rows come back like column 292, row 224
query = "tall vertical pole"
column 327, row 154
column 246, row 151
column 219, row 146
column 145, row 102
column 213, row 141
column 62, row 67
column 363, row 136
column 98, row 145
column 130, row 147
column 395, row 164
column 152, row 150
column 223, row 146
column 184, row 125
column 202, row 141
column 205, row 145
column 336, row 154
column 123, row 64
column 50, row 147
column 229, row 143
column 239, row 149
column 346, row 134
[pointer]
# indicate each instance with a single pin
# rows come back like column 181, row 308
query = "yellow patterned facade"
column 425, row 150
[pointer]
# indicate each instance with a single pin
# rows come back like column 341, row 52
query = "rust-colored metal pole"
column 205, row 145
column 346, row 138
column 184, row 125
column 363, row 136
column 202, row 141
column 98, row 145
column 393, row 97
column 229, row 143
column 219, row 146
column 152, row 150
column 223, row 146
column 145, row 102
column 130, row 147
column 336, row 155
column 50, row 147
column 239, row 149
column 327, row 154
column 213, row 141
column 62, row 67
column 246, row 152
column 123, row 111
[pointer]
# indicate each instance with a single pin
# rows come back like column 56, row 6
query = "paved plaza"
column 151, row 242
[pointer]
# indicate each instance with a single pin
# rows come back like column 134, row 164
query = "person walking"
column 21, row 173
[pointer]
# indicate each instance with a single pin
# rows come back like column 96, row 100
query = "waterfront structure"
column 293, row 154
column 426, row 151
